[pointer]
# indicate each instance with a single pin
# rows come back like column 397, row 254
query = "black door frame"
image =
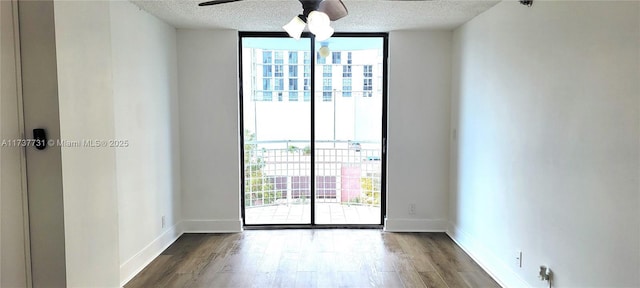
column 383, row 180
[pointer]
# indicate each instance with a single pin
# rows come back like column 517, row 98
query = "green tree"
column 258, row 188
column 370, row 191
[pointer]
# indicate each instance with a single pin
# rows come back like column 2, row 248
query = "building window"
column 349, row 60
column 267, row 71
column 293, row 96
column 293, row 84
column 326, row 71
column 368, row 71
column 279, row 57
column 293, row 90
column 320, row 59
column 326, row 84
column 307, row 58
column 279, row 70
column 293, row 57
column 346, row 71
column 266, row 57
column 326, row 96
column 266, row 84
column 307, row 93
column 280, row 96
column 335, row 57
column 346, row 87
column 307, row 71
column 293, row 71
column 279, row 84
column 267, row 96
column 367, row 88
column 368, row 81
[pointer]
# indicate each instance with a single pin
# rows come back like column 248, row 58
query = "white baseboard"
column 135, row 264
column 415, row 225
column 212, row 226
column 492, row 264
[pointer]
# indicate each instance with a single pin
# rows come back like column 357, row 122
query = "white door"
column 44, row 167
column 13, row 272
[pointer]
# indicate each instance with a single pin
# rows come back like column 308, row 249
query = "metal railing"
column 279, row 172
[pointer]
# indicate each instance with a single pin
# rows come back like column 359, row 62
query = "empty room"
column 319, row 143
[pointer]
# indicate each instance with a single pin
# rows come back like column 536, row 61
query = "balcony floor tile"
column 326, row 213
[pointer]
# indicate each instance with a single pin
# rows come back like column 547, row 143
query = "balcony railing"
column 279, row 172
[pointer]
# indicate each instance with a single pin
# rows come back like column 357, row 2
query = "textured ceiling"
column 364, row 15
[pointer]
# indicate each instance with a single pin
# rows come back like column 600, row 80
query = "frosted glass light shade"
column 318, row 21
column 295, row 27
column 324, row 33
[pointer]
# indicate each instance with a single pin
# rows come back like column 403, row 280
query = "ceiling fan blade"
column 216, row 2
column 335, row 9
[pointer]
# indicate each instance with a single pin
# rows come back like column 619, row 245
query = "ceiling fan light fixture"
column 324, row 34
column 295, row 27
column 318, row 14
column 318, row 21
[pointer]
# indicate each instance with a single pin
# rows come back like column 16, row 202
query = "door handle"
column 40, row 137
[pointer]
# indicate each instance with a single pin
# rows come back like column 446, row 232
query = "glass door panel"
column 349, row 75
column 276, row 108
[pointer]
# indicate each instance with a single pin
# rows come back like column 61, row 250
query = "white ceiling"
column 364, row 15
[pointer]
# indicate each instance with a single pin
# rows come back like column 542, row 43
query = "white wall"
column 418, row 130
column 13, row 271
column 145, row 93
column 546, row 103
column 83, row 45
column 210, row 157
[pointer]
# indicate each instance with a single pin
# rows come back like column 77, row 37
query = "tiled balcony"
column 326, row 213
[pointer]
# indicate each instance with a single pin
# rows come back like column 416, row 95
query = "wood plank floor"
column 313, row 258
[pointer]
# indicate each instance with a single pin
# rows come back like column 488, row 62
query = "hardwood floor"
column 313, row 258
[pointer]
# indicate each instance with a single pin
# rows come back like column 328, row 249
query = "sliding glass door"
column 348, row 130
column 313, row 129
column 276, row 106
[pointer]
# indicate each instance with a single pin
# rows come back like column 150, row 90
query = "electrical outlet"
column 519, row 259
column 163, row 222
column 545, row 274
column 412, row 209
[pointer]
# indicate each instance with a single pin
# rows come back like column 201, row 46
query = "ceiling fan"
column 318, row 14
